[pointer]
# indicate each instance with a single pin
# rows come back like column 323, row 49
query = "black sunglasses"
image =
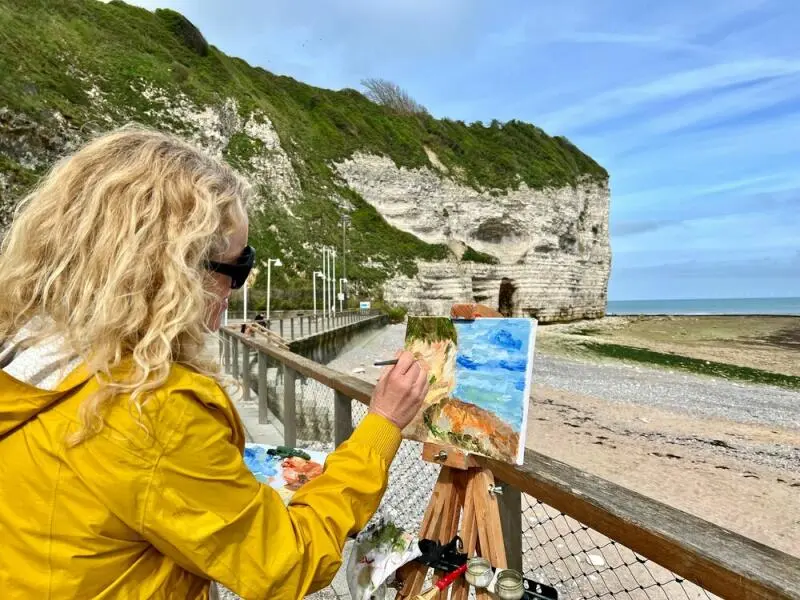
column 237, row 271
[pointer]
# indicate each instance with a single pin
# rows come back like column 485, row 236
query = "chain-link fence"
column 582, row 563
column 557, row 550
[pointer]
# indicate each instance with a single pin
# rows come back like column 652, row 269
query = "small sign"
column 340, row 296
column 364, row 305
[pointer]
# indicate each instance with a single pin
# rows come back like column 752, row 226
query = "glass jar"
column 509, row 585
column 479, row 572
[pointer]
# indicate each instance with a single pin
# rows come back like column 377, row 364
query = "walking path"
column 302, row 326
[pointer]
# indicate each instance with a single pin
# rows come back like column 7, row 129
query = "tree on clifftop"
column 391, row 95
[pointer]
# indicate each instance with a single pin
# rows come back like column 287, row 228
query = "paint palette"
column 284, row 475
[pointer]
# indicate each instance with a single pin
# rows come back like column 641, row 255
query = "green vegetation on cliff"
column 82, row 65
column 472, row 255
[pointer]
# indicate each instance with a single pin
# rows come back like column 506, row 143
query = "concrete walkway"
column 301, row 327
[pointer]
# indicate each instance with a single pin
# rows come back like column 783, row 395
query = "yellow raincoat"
column 156, row 506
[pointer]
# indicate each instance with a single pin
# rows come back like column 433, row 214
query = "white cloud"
column 624, row 100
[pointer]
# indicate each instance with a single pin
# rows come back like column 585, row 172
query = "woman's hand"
column 400, row 390
column 402, row 387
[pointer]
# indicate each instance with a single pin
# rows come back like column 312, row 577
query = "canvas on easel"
column 480, row 379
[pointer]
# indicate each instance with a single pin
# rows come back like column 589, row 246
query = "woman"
column 121, row 472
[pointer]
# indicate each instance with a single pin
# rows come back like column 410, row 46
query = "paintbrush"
column 384, row 363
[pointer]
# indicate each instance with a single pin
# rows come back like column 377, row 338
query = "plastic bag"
column 379, row 551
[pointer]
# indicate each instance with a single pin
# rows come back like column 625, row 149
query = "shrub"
column 183, row 28
column 391, row 95
column 396, row 314
column 472, row 255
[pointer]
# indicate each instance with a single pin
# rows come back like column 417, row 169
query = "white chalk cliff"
column 552, row 245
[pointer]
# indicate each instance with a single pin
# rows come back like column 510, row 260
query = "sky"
column 692, row 106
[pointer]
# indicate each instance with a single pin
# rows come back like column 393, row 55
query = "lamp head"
column 277, row 262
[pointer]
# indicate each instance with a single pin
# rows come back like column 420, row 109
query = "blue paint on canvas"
column 492, row 365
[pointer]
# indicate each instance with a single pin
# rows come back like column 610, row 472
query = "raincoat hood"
column 35, row 377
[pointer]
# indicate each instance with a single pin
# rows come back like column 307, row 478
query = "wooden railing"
column 716, row 559
column 302, row 325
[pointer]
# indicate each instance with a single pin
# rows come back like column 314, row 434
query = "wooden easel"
column 462, row 494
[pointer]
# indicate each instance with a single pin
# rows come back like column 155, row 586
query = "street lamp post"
column 333, row 284
column 272, row 261
column 314, row 279
column 342, row 281
column 244, row 299
column 345, row 223
column 324, row 282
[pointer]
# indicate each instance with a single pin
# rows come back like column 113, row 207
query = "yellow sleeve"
column 205, row 509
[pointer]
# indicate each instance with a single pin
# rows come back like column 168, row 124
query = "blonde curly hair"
column 109, row 248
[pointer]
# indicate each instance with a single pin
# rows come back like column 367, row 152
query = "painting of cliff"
column 480, row 375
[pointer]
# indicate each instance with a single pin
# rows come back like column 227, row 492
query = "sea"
column 706, row 306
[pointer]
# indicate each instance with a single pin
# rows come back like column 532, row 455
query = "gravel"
column 685, row 393
column 676, row 391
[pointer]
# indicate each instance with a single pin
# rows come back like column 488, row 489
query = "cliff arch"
column 507, row 299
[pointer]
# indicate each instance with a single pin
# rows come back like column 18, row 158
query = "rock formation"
column 551, row 245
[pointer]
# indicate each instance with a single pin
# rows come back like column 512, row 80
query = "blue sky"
column 692, row 106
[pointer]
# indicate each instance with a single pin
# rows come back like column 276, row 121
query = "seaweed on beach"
column 694, row 365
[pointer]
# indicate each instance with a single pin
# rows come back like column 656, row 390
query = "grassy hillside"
column 56, row 56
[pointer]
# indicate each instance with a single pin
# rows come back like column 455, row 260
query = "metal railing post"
column 262, row 388
column 291, row 328
column 289, row 407
column 235, row 358
column 342, row 418
column 227, row 351
column 510, row 505
column 281, row 329
column 301, row 326
column 246, row 371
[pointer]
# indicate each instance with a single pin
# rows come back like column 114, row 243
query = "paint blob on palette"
column 480, row 379
column 284, row 475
